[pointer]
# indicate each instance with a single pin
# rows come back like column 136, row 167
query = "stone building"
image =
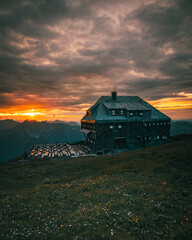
column 124, row 122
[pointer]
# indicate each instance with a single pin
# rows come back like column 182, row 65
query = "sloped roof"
column 128, row 106
column 106, row 103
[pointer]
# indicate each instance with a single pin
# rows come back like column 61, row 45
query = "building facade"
column 124, row 122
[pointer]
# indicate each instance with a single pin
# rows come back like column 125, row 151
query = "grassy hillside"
column 134, row 195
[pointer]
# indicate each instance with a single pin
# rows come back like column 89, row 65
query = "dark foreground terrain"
column 134, row 195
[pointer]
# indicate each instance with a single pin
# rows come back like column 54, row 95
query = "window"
column 153, row 124
column 131, row 114
column 157, row 123
column 138, row 138
column 119, row 126
column 141, row 114
column 145, row 124
column 89, row 113
column 117, row 112
column 111, row 127
column 149, row 124
column 157, row 137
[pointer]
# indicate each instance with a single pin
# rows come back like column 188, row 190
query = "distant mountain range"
column 16, row 138
column 7, row 124
column 181, row 127
column 10, row 123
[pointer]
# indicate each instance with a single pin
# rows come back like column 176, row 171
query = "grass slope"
column 134, row 195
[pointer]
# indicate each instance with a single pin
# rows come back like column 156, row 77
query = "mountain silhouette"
column 7, row 124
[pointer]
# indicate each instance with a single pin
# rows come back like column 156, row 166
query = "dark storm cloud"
column 83, row 48
column 159, row 88
column 21, row 14
column 165, row 24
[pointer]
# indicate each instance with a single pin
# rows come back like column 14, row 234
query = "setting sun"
column 31, row 113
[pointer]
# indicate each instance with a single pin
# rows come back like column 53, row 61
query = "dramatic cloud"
column 62, row 55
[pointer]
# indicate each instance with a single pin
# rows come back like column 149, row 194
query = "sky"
column 58, row 57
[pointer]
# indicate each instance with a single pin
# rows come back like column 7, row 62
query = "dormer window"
column 117, row 112
column 88, row 113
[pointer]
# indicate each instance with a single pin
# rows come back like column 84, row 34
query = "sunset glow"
column 31, row 113
column 40, row 115
column 176, row 108
column 173, row 103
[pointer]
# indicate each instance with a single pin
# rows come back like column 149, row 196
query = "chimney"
column 114, row 95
